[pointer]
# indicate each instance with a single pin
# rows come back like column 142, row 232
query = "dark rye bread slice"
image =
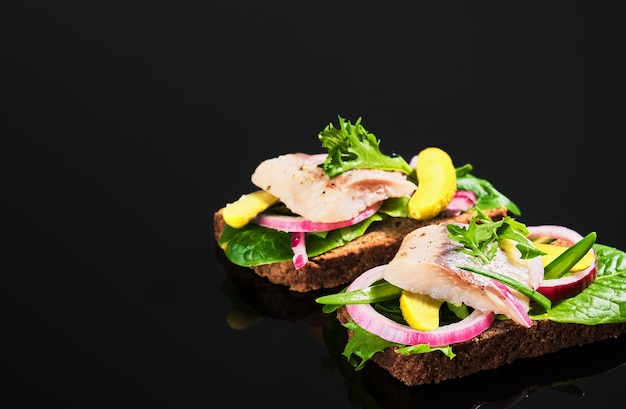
column 501, row 344
column 342, row 265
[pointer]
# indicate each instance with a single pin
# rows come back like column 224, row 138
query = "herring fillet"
column 426, row 263
column 298, row 181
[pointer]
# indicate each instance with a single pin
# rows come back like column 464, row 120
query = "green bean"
column 516, row 285
column 375, row 293
column 566, row 260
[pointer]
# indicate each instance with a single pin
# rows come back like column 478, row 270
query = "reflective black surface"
column 126, row 125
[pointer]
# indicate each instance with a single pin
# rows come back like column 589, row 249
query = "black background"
column 127, row 124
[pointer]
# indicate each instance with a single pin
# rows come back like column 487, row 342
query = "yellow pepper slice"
column 420, row 311
column 436, row 187
column 247, row 207
column 553, row 251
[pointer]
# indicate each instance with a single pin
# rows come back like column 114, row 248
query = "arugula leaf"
column 517, row 232
column 482, row 239
column 351, row 147
column 476, row 242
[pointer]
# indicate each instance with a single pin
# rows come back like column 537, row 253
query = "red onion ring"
column 370, row 320
column 570, row 284
column 300, row 224
column 521, row 313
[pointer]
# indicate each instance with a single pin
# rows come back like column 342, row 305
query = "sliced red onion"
column 298, row 246
column 554, row 232
column 570, row 284
column 462, row 201
column 370, row 320
column 468, row 194
column 521, row 313
column 300, row 224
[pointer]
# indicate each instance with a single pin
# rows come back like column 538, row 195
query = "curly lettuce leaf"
column 351, row 146
column 363, row 345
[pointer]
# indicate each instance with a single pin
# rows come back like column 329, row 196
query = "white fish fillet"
column 307, row 191
column 426, row 263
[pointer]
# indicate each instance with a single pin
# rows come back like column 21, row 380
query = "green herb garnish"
column 351, row 146
column 482, row 236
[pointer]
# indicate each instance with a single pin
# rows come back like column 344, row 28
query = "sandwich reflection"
column 254, row 298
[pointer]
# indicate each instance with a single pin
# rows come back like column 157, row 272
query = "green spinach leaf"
column 604, row 301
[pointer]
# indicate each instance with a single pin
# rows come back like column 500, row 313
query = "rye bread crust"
column 503, row 343
column 342, row 265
